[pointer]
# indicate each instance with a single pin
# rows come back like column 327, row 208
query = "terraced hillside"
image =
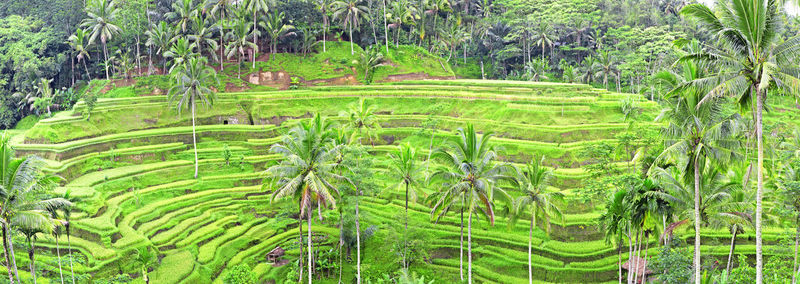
column 130, row 167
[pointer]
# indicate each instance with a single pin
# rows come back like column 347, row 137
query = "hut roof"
column 641, row 263
column 277, row 251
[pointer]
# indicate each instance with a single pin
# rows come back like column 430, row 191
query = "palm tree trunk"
column 530, row 244
column 385, row 29
column 6, row 253
column 309, row 245
column 69, row 251
column 646, row 248
column 58, row 253
column 730, row 254
column 13, row 256
column 796, row 244
column 72, row 69
column 630, row 252
column 760, row 190
column 194, row 141
column 341, row 244
column 358, row 245
column 33, row 262
column 635, row 261
column 105, row 52
column 469, row 247
column 461, row 242
column 405, row 240
column 696, row 221
column 300, row 227
column 221, row 47
column 255, row 37
column 351, row 39
column 619, row 256
column 88, row 76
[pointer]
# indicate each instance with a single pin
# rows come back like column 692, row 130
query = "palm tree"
column 361, row 118
column 180, row 52
column 350, row 13
column 183, row 11
column 66, row 212
column 56, row 233
column 543, row 36
column 588, row 68
column 192, row 82
column 405, row 168
column 615, row 222
column 238, row 44
column 754, row 59
column 789, row 183
column 22, row 183
column 276, row 29
column 324, row 6
column 606, row 64
column 145, row 259
column 469, row 174
column 307, row 172
column 223, row 8
column 202, row 35
column 697, row 134
column 102, row 15
column 533, row 184
column 30, row 237
column 368, row 60
column 256, row 7
column 161, row 37
column 78, row 43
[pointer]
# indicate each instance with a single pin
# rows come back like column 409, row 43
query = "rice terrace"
column 402, row 141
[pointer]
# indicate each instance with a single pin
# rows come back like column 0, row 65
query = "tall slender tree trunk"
column 796, row 245
column 635, row 261
column 58, row 253
column 385, row 29
column 530, row 244
column 310, row 260
column 138, row 57
column 13, row 255
column 760, row 190
column 646, row 250
column 619, row 257
column 88, row 76
column 33, row 261
column 255, row 40
column 730, row 254
column 630, row 252
column 105, row 52
column 358, row 244
column 300, row 228
column 7, row 253
column 405, row 240
column 341, row 244
column 351, row 39
column 697, row 262
column 221, row 44
column 194, row 141
column 469, row 247
column 69, row 251
column 461, row 243
column 72, row 69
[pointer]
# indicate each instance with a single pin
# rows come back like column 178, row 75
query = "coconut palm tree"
column 237, row 42
column 361, row 118
column 697, row 134
column 180, row 52
column 22, row 183
column 543, row 36
column 161, row 37
column 276, row 29
column 753, row 59
column 350, row 13
column 30, row 238
column 221, row 7
column 588, row 68
column 615, row 222
column 66, row 213
column 324, row 7
column 469, row 172
column 191, row 86
column 368, row 60
column 145, row 259
column 606, row 65
column 257, row 7
column 101, row 17
column 203, row 35
column 307, row 172
column 78, row 42
column 56, row 233
column 183, row 11
column 404, row 167
column 543, row 204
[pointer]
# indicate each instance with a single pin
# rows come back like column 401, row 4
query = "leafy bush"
column 240, row 274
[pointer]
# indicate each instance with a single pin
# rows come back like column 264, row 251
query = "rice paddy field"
column 130, row 167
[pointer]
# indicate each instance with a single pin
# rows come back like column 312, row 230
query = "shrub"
column 240, row 274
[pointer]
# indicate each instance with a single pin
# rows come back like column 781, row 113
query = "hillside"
column 131, row 166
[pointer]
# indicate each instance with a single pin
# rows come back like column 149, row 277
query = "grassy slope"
column 140, row 192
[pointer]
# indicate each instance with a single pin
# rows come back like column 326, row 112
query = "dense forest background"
column 616, row 44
